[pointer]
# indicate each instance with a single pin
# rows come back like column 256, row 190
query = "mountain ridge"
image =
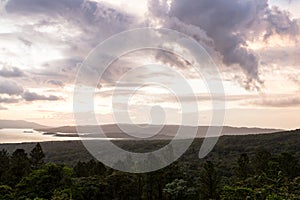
column 20, row 124
column 113, row 130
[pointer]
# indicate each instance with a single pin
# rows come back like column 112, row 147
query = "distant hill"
column 20, row 124
column 114, row 131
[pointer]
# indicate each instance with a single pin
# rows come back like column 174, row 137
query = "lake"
column 8, row 135
column 28, row 135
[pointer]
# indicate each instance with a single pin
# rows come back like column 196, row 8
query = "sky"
column 254, row 44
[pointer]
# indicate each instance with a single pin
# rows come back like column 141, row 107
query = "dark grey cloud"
column 229, row 24
column 11, row 72
column 279, row 22
column 32, row 96
column 41, row 6
column 9, row 100
column 172, row 59
column 221, row 20
column 93, row 18
column 56, row 83
column 10, row 87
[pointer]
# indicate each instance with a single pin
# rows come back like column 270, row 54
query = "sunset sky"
column 255, row 44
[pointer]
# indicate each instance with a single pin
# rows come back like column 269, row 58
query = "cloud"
column 279, row 22
column 281, row 56
column 221, row 21
column 94, row 21
column 10, row 87
column 223, row 27
column 226, row 26
column 81, row 24
column 56, row 83
column 9, row 100
column 32, row 96
column 11, row 72
column 41, row 6
column 278, row 102
column 55, row 71
column 2, row 108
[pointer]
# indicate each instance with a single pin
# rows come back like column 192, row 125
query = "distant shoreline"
column 153, row 139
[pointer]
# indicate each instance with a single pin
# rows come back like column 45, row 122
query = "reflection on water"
column 28, row 135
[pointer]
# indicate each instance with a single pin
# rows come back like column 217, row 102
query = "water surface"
column 28, row 135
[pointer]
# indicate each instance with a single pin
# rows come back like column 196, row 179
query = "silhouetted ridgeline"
column 20, row 124
column 167, row 131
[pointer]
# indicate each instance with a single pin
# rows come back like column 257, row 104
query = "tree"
column 236, row 193
column 20, row 166
column 36, row 157
column 261, row 161
column 289, row 165
column 6, row 192
column 65, row 194
column 81, row 170
column 179, row 189
column 92, row 188
column 96, row 168
column 243, row 169
column 4, row 163
column 43, row 182
column 91, row 168
column 209, row 182
column 123, row 185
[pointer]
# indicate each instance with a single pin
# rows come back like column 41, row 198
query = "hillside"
column 20, row 124
column 114, row 131
column 227, row 148
column 258, row 167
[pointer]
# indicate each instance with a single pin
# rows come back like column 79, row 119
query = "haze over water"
column 30, row 135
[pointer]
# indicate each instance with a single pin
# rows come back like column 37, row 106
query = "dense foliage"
column 266, row 171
